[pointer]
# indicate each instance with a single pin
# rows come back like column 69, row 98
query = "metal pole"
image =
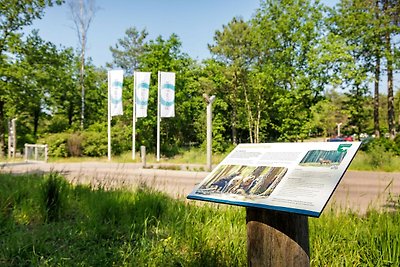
column 26, row 152
column 338, row 128
column 209, row 101
column 134, row 118
column 9, row 138
column 109, row 119
column 158, row 118
column 14, row 138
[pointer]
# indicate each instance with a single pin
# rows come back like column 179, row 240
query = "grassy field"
column 44, row 221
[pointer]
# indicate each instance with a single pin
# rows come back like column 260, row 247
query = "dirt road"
column 357, row 191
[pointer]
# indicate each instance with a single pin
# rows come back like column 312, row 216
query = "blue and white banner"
column 115, row 81
column 142, row 85
column 167, row 94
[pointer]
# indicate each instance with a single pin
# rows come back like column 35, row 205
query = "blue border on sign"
column 255, row 205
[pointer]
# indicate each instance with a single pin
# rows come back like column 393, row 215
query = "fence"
column 36, row 153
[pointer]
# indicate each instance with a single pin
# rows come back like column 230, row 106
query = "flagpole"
column 134, row 118
column 109, row 119
column 158, row 117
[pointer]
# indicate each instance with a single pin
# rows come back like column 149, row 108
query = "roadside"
column 358, row 190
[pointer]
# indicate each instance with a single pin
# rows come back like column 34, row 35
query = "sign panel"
column 142, row 85
column 292, row 177
column 167, row 94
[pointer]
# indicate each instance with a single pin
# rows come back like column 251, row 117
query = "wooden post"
column 276, row 238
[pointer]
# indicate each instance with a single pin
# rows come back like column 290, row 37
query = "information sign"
column 292, row 177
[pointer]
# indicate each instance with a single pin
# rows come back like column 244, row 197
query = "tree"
column 368, row 28
column 14, row 15
column 290, row 54
column 391, row 13
column 233, row 47
column 128, row 50
column 82, row 12
column 39, row 75
column 166, row 55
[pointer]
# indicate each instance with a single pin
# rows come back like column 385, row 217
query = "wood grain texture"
column 277, row 238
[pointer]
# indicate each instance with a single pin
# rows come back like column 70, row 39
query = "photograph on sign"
column 291, row 177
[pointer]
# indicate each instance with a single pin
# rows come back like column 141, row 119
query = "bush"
column 58, row 124
column 382, row 144
column 57, row 144
column 94, row 144
column 74, row 143
column 121, row 139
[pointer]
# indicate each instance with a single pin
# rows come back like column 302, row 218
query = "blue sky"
column 194, row 21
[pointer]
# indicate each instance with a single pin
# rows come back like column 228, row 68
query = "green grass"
column 383, row 161
column 192, row 156
column 106, row 228
column 44, row 221
column 347, row 239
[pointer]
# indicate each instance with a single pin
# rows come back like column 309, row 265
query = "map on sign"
column 291, row 177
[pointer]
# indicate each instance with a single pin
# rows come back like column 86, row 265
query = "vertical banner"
column 167, row 94
column 115, row 91
column 142, row 85
column 115, row 80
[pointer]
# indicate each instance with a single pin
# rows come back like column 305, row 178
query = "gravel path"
column 357, row 191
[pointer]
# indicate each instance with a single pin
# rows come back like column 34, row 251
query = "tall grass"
column 98, row 227
column 347, row 239
column 117, row 227
column 376, row 161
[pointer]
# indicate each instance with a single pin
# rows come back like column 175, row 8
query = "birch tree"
column 82, row 12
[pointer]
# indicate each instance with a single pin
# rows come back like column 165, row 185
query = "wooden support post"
column 277, row 238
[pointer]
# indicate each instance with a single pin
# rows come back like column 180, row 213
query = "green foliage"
column 276, row 77
column 57, row 144
column 94, row 144
column 383, row 144
column 120, row 227
column 92, row 227
column 54, row 196
column 347, row 239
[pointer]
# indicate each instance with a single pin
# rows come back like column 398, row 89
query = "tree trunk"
column 277, row 239
column 391, row 116
column 70, row 113
column 2, row 130
column 36, row 116
column 234, row 130
column 82, row 74
column 376, row 97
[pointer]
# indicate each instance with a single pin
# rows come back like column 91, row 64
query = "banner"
column 142, row 85
column 115, row 80
column 167, row 94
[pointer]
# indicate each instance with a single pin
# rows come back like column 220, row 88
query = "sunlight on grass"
column 147, row 228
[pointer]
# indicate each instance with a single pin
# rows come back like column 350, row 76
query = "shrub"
column 57, row 144
column 383, row 144
column 74, row 143
column 94, row 144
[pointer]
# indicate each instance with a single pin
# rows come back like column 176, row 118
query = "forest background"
column 292, row 72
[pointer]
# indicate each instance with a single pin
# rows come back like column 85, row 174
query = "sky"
column 194, row 21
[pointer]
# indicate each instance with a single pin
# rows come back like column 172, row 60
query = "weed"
column 53, row 189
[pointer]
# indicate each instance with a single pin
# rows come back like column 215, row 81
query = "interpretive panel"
column 291, row 177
